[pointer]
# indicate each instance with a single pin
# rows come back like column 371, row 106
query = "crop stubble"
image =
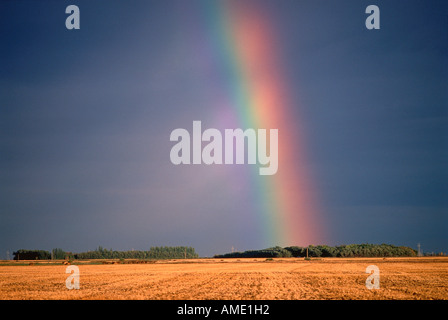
column 252, row 279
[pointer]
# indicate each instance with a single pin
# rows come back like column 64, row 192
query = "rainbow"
column 243, row 41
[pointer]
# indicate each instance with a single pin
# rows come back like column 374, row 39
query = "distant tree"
column 58, row 253
column 296, row 251
column 24, row 254
column 327, row 251
column 314, row 251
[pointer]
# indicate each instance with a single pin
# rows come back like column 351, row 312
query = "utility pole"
column 307, row 252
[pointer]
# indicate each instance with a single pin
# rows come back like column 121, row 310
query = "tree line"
column 178, row 252
column 351, row 250
column 24, row 254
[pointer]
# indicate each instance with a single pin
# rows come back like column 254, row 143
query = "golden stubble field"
column 239, row 279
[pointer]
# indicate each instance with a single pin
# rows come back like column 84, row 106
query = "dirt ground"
column 239, row 279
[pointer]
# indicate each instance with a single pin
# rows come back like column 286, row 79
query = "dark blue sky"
column 85, row 119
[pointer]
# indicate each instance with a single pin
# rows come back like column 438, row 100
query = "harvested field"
column 254, row 279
